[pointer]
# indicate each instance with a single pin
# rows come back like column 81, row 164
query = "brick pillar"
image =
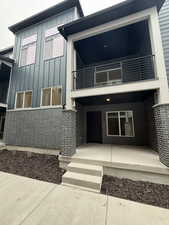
column 161, row 113
column 69, row 133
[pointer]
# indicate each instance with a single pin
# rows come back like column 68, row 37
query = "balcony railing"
column 119, row 72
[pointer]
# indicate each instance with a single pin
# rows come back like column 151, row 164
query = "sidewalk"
column 26, row 201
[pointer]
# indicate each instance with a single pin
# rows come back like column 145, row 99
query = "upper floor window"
column 108, row 74
column 24, row 99
column 51, row 96
column 54, row 44
column 28, row 50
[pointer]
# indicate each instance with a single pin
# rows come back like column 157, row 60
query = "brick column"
column 68, row 133
column 161, row 113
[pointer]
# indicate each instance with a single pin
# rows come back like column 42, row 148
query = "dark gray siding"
column 42, row 73
column 164, row 25
column 142, row 114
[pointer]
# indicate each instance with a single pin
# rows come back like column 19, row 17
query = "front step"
column 82, row 180
column 85, row 169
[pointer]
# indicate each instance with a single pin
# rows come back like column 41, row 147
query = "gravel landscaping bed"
column 144, row 192
column 36, row 166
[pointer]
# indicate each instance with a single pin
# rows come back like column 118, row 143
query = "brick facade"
column 68, row 133
column 36, row 128
column 162, row 128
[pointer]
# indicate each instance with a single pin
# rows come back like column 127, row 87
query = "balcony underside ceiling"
column 127, row 41
column 116, row 98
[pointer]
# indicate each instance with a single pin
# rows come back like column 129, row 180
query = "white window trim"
column 26, row 45
column 50, row 106
column 108, row 70
column 23, row 104
column 107, row 131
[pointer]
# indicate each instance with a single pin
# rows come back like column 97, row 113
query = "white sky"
column 13, row 11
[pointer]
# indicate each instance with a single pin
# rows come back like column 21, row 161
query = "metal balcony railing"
column 115, row 73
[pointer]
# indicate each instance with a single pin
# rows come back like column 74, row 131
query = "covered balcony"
column 116, row 57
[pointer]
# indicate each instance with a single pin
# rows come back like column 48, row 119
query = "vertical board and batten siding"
column 44, row 73
column 164, row 26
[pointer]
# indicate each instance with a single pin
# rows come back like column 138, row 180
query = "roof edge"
column 6, row 50
column 58, row 8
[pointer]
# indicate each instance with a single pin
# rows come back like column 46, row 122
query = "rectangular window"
column 24, row 99
column 120, row 124
column 28, row 51
column 51, row 96
column 54, row 44
column 108, row 74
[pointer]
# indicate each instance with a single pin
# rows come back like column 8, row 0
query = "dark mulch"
column 144, row 192
column 36, row 166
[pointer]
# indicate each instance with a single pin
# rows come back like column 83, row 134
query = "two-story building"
column 95, row 79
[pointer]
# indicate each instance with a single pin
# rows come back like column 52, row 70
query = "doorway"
column 94, row 127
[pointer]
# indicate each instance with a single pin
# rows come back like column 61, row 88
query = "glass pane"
column 113, row 126
column 115, row 74
column 101, row 77
column 23, row 56
column 56, row 96
column 113, row 115
column 107, row 67
column 123, row 114
column 31, row 54
column 28, row 100
column 49, row 49
column 58, row 46
column 46, row 97
column 19, row 101
column 127, row 125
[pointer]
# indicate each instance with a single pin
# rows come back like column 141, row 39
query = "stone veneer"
column 161, row 113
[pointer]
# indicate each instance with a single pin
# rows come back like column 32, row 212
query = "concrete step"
column 85, row 169
column 82, row 180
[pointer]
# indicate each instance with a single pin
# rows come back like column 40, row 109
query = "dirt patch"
column 144, row 192
column 36, row 166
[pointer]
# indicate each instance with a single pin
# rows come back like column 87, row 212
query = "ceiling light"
column 108, row 99
column 105, row 46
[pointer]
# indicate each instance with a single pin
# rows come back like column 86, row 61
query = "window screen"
column 28, row 99
column 46, row 98
column 24, row 99
column 52, row 96
column 19, row 100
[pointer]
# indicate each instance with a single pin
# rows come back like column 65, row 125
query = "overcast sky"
column 13, row 11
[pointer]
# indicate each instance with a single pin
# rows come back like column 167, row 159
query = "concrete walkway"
column 25, row 201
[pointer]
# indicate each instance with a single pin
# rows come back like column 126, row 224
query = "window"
column 51, row 96
column 120, row 124
column 108, row 74
column 54, row 44
column 23, row 99
column 28, row 51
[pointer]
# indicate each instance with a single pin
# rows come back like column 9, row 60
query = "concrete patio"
column 133, row 162
column 26, row 201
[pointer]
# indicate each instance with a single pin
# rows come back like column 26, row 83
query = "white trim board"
column 3, row 105
column 113, row 25
column 117, row 89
